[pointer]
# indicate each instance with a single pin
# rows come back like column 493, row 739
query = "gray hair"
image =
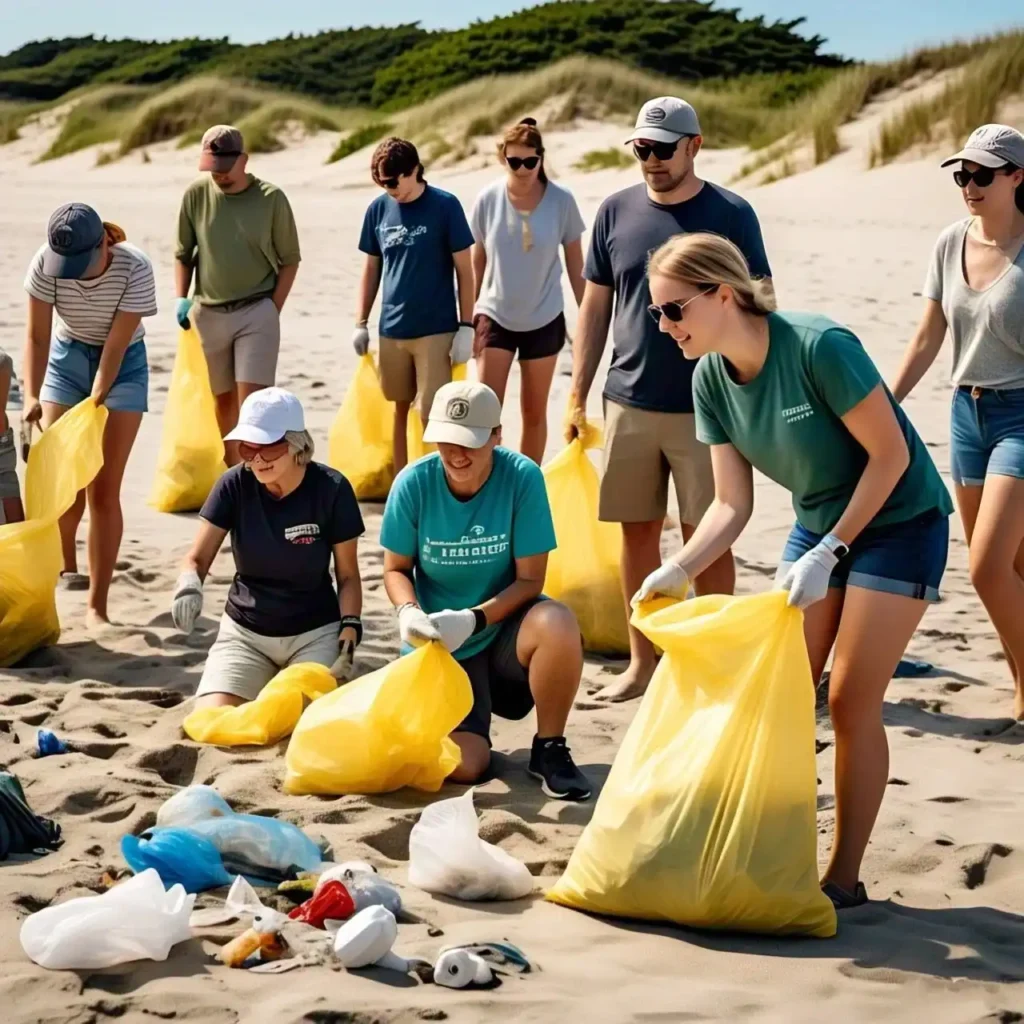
column 301, row 442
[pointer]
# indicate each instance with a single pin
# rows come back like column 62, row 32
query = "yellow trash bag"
column 268, row 718
column 191, row 455
column 708, row 817
column 583, row 571
column 64, row 461
column 383, row 731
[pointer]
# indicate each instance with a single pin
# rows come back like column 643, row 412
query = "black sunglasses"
column 529, row 162
column 674, row 310
column 982, row 177
column 388, row 182
column 661, row 150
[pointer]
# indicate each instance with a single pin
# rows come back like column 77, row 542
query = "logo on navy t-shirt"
column 307, row 533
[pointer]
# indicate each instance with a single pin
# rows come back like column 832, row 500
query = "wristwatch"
column 838, row 548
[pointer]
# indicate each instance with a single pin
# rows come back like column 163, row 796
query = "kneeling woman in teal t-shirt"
column 796, row 396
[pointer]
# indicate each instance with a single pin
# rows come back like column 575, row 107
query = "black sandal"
column 843, row 899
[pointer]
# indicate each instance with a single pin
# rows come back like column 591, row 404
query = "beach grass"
column 603, row 159
column 357, row 139
column 98, row 116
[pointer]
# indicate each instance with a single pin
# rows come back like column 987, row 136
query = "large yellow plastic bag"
column 191, row 455
column 268, row 718
column 708, row 817
column 583, row 571
column 64, row 461
column 383, row 731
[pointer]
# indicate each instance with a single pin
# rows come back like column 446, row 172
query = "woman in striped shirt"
column 100, row 287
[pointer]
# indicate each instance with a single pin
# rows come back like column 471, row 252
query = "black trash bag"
column 22, row 831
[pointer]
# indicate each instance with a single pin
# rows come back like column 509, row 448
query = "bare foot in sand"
column 95, row 622
column 632, row 683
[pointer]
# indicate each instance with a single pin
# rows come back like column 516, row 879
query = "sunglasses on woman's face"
column 529, row 162
column 982, row 177
column 267, row 452
column 674, row 310
column 661, row 150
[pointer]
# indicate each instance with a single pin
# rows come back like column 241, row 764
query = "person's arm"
column 37, row 352
column 285, row 238
column 592, row 324
column 528, row 584
column 574, row 269
column 185, row 246
column 209, row 539
column 285, row 279
column 182, row 279
column 922, row 350
column 398, row 578
column 369, row 282
column 122, row 330
column 350, row 585
column 479, row 268
column 463, row 260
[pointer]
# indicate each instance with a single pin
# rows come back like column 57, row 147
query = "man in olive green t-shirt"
column 238, row 235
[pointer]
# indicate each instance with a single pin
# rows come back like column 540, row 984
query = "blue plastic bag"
column 178, row 857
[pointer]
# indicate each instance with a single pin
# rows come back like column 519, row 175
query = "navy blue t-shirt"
column 283, row 547
column 647, row 369
column 416, row 241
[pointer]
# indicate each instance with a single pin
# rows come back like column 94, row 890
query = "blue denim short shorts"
column 72, row 368
column 987, row 435
column 902, row 558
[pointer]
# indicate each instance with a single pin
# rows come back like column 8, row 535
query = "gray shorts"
column 8, row 466
column 241, row 343
column 242, row 662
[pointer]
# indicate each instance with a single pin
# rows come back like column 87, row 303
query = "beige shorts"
column 241, row 343
column 642, row 449
column 8, row 467
column 242, row 662
column 412, row 369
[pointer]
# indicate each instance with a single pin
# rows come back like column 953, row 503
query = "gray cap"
column 222, row 145
column 464, row 413
column 992, row 145
column 74, row 238
column 665, row 119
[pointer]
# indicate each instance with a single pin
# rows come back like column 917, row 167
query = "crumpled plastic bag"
column 21, row 829
column 708, row 817
column 179, row 856
column 383, row 731
column 191, row 457
column 268, row 718
column 583, row 571
column 62, row 462
column 249, row 844
column 448, row 857
column 136, row 920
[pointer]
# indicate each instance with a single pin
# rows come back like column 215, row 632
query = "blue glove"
column 181, row 313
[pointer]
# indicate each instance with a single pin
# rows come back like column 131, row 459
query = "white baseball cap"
column 463, row 412
column 267, row 415
column 665, row 119
column 992, row 145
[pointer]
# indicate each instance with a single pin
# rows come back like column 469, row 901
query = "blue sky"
column 865, row 29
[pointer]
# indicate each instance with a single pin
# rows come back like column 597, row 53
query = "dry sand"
column 944, row 941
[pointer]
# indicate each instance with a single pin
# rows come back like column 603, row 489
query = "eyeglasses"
column 529, row 162
column 982, row 177
column 661, row 150
column 674, row 310
column 267, row 452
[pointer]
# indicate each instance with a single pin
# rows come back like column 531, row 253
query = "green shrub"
column 358, row 139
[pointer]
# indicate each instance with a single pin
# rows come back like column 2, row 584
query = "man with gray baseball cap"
column 466, row 536
column 237, row 234
column 650, row 431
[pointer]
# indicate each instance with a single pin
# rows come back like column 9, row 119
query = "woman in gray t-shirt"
column 975, row 289
column 519, row 223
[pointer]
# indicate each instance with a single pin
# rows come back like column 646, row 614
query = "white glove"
column 361, row 341
column 462, row 345
column 669, row 579
column 807, row 579
column 342, row 668
column 187, row 603
column 415, row 627
column 454, row 627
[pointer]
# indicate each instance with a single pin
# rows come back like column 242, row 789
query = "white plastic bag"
column 448, row 857
column 136, row 920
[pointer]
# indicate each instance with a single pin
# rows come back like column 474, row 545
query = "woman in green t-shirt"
column 796, row 395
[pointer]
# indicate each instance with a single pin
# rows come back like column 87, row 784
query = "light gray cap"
column 992, row 145
column 665, row 119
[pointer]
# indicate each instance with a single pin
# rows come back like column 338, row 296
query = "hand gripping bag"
column 65, row 460
column 708, row 817
column 383, row 731
column 191, row 455
column 268, row 718
column 583, row 571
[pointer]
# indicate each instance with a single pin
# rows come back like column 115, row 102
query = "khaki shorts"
column 412, row 369
column 642, row 449
column 241, row 343
column 242, row 662
column 8, row 467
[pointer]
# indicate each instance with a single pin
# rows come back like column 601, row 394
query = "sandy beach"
column 943, row 940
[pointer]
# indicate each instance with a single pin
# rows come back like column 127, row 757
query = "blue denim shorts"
column 903, row 558
column 72, row 369
column 987, row 435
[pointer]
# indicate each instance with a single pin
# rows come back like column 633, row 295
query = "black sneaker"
column 551, row 762
column 843, row 899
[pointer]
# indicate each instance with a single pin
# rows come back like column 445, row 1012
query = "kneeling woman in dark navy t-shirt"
column 287, row 517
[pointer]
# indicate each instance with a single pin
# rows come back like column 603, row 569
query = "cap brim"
column 441, row 432
column 73, row 267
column 654, row 134
column 252, row 434
column 983, row 157
column 216, row 163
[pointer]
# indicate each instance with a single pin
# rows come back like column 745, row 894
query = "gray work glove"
column 187, row 603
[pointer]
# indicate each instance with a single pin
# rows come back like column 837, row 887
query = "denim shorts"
column 987, row 434
column 902, row 558
column 72, row 369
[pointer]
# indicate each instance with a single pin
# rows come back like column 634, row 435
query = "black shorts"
column 501, row 684
column 536, row 344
